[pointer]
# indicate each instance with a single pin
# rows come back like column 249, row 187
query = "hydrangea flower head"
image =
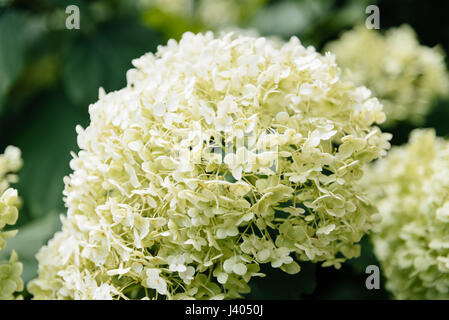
column 11, row 270
column 403, row 74
column 220, row 154
column 410, row 188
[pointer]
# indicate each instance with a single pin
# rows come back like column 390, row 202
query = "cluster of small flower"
column 410, row 187
column 404, row 75
column 10, row 271
column 142, row 223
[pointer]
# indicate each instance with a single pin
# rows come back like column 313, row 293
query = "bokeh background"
column 49, row 75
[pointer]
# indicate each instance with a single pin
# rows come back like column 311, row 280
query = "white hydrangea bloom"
column 403, row 74
column 10, row 163
column 410, row 188
column 11, row 270
column 220, row 154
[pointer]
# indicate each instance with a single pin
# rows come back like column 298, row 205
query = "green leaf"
column 82, row 74
column 12, row 51
column 46, row 137
column 103, row 58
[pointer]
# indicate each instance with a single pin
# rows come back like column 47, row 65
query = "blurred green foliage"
column 49, row 75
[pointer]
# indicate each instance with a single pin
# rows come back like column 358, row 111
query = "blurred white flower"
column 410, row 187
column 404, row 75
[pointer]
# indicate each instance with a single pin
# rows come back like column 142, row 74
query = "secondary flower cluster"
column 403, row 74
column 411, row 190
column 164, row 202
column 10, row 271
